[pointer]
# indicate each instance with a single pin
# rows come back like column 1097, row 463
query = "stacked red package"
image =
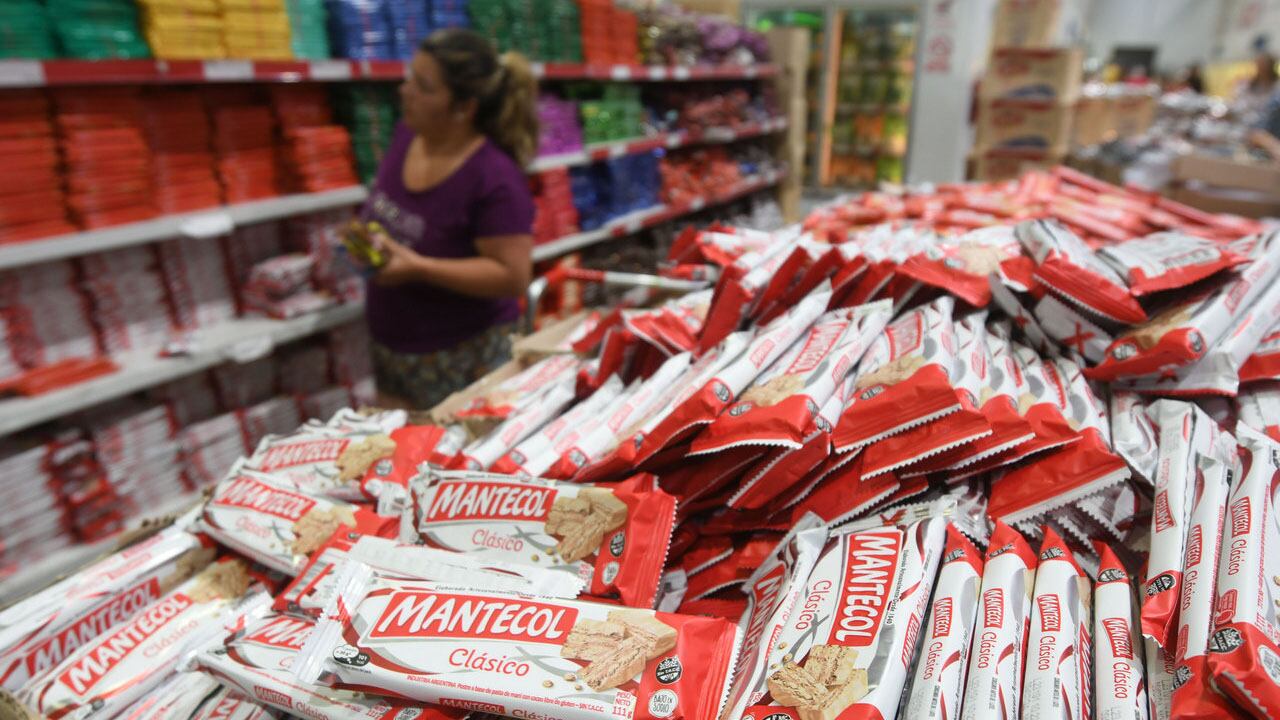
column 190, row 399
column 317, row 235
column 274, row 416
column 554, row 213
column 36, row 523
column 209, row 448
column 178, row 134
column 317, row 152
column 243, row 384
column 349, row 354
column 137, row 449
column 282, row 287
column 248, row 245
column 46, row 318
column 304, row 369
column 130, row 305
column 196, row 278
column 608, row 33
column 244, row 138
column 326, row 402
column 697, row 174
column 32, row 204
column 108, row 163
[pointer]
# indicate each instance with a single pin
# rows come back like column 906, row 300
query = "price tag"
column 697, row 204
column 226, row 70
column 330, row 70
column 250, row 349
column 657, row 73
column 21, row 73
column 207, row 225
column 675, row 140
column 539, row 69
column 617, row 150
column 620, row 72
column 750, row 71
column 680, row 73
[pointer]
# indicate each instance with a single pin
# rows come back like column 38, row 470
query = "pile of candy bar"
column 985, row 451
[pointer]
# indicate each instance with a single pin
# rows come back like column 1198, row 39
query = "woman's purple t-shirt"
column 487, row 196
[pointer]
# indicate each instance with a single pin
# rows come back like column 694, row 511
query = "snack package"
column 109, row 674
column 781, row 406
column 256, row 660
column 936, row 690
column 275, row 523
column 848, row 650
column 904, row 380
column 1133, row 435
column 1160, row 680
column 1243, row 652
column 1166, row 261
column 1019, row 314
column 1072, row 330
column 1185, row 432
column 739, row 290
column 1120, row 687
column 1193, row 692
column 515, row 654
column 615, row 538
column 1059, row 662
column 1264, row 363
column 1183, row 333
column 773, row 592
column 415, row 444
column 195, row 696
column 322, row 459
column 1258, row 406
column 533, row 455
column 1070, row 269
column 960, row 266
column 542, row 408
column 503, row 400
column 45, row 628
column 993, row 690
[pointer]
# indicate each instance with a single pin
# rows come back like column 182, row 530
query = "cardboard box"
column 731, row 9
column 1024, row 125
column 1132, row 115
column 1039, row 23
column 790, row 47
column 548, row 341
column 1248, row 203
column 1094, row 122
column 994, row 165
column 1227, row 172
column 1023, row 74
column 443, row 414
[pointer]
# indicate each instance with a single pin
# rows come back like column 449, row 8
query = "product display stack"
column 308, row 29
column 244, row 138
column 32, row 202
column 25, row 30
column 108, row 170
column 369, row 113
column 184, row 29
column 256, row 29
column 178, row 135
column 99, row 29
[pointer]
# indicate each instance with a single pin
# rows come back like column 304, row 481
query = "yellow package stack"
column 183, row 29
column 256, row 29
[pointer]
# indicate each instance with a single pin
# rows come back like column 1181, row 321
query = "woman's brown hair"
column 503, row 87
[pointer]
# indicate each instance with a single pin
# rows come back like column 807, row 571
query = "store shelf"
column 242, row 339
column 202, row 223
column 670, row 141
column 52, row 73
column 649, row 217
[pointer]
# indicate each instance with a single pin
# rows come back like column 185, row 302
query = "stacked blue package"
column 590, row 196
column 633, row 181
column 362, row 29
column 450, row 14
column 410, row 23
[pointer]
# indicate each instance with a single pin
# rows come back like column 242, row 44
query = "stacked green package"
column 309, row 36
column 25, row 31
column 98, row 29
column 496, row 19
column 369, row 111
column 557, row 31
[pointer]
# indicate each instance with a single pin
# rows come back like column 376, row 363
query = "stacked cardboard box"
column 1238, row 184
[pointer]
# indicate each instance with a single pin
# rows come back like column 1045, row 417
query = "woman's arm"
column 501, row 268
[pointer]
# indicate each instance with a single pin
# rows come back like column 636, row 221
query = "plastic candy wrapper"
column 773, row 593
column 615, row 538
column 1264, row 363
column 1243, row 652
column 415, row 444
column 1167, row 261
column 849, row 649
column 781, row 407
column 739, row 290
column 1071, row 329
column 1133, row 434
column 276, row 524
column 1021, row 316
column 112, row 672
column 256, row 661
column 1070, row 269
column 195, row 696
column 503, row 400
column 961, row 265
column 993, row 689
column 1183, row 333
column 1193, row 692
column 1118, row 677
column 939, row 681
column 536, row 453
column 541, row 409
column 1059, row 662
column 40, row 631
column 516, row 654
column 1185, row 432
column 1259, row 407
column 321, row 459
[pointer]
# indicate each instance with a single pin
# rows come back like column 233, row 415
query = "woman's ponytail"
column 514, row 127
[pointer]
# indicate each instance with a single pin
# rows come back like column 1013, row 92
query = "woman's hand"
column 403, row 263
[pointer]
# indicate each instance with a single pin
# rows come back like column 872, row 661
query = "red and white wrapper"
column 960, row 266
column 938, row 686
column 308, row 458
column 257, row 660
column 904, row 380
column 195, row 696
column 1019, row 314
column 1244, row 651
column 714, row 395
column 849, row 649
column 1059, row 651
column 276, row 524
column 773, row 592
column 1070, row 269
column 782, row 406
column 1193, row 692
column 1072, row 330
column 510, row 394
column 47, row 627
column 540, row 450
column 993, row 689
column 1133, row 434
column 415, row 444
column 518, row 655
column 1120, row 688
column 1258, row 406
column 1185, row 332
column 108, row 675
column 1166, row 261
column 308, row 592
column 739, row 291
column 1264, row 363
column 1159, row 680
column 517, row 520
column 542, row 408
column 1185, row 432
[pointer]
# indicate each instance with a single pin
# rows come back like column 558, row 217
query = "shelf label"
column 750, row 71
column 21, row 73
column 620, row 72
column 250, row 349
column 633, row 225
column 657, row 73
column 223, row 70
column 697, row 204
column 618, row 150
column 207, row 225
column 680, row 73
column 675, row 140
column 539, row 69
column 330, row 70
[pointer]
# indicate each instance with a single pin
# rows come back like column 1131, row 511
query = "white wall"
column 1183, row 31
column 1244, row 20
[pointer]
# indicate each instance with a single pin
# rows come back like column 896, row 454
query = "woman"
column 457, row 214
